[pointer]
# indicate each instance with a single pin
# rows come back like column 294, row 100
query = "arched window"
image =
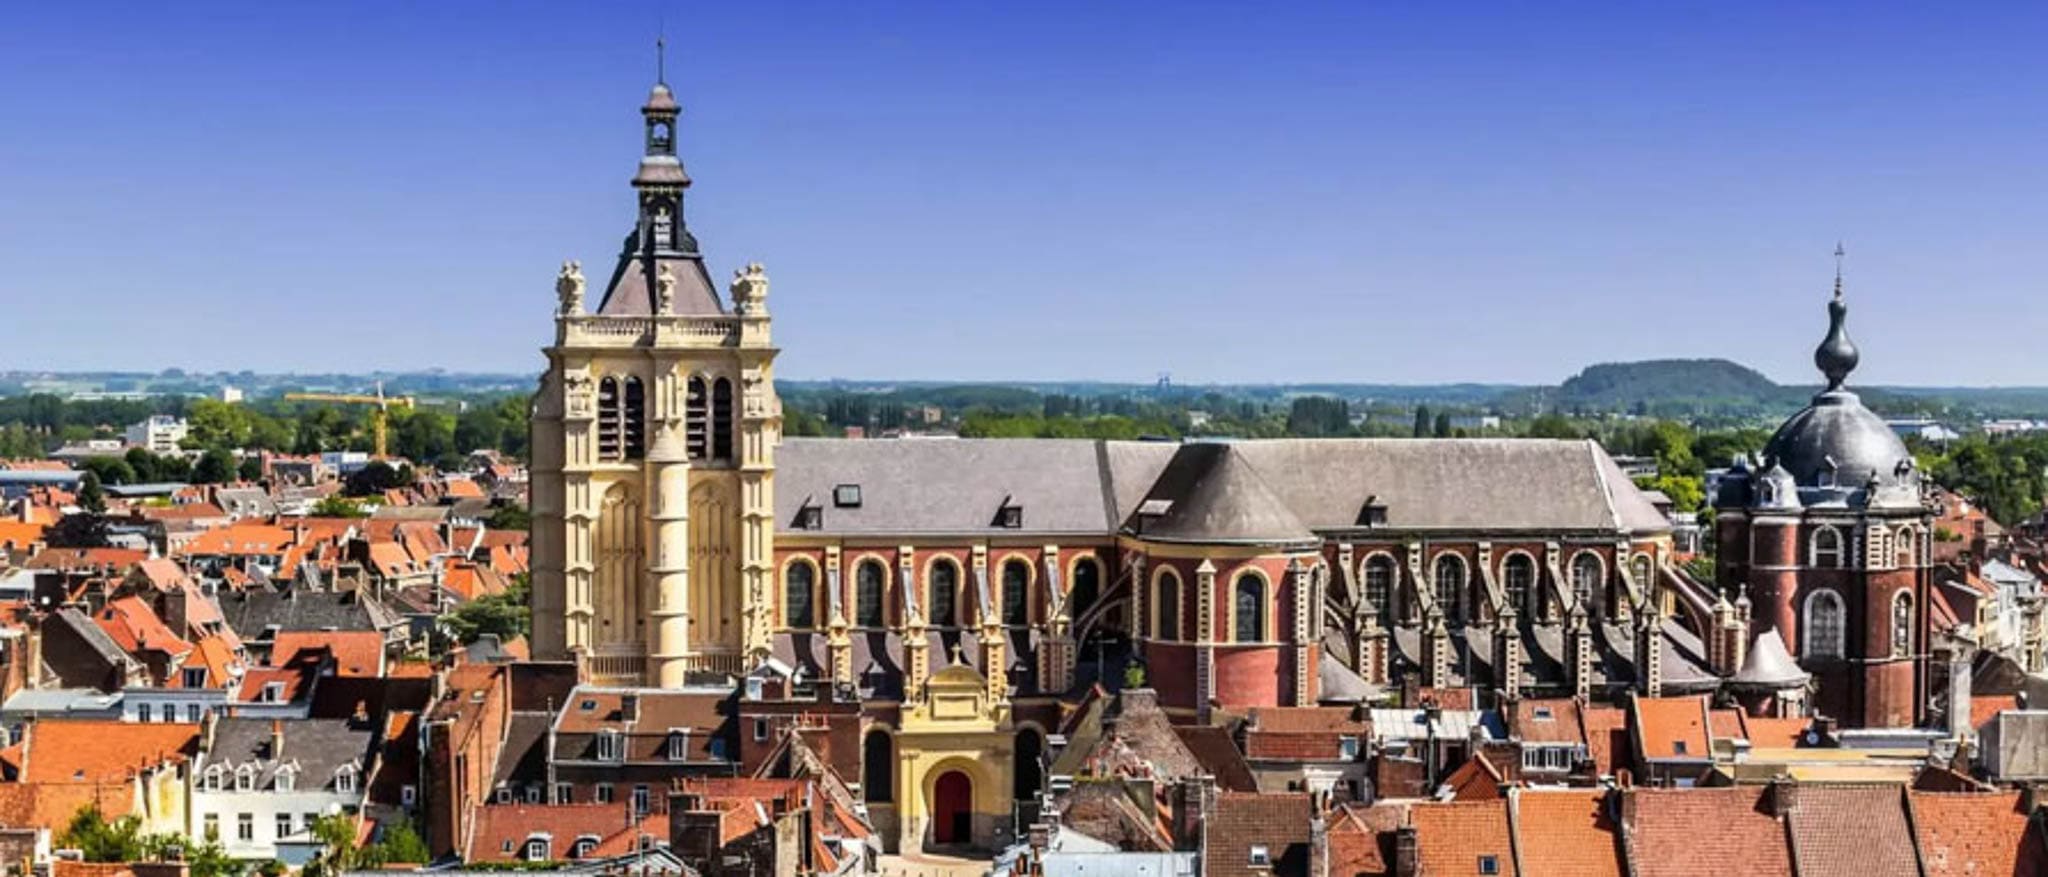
column 878, row 768
column 1640, row 567
column 1087, row 586
column 1587, row 573
column 1518, row 575
column 1826, row 548
column 871, row 585
column 1450, row 585
column 721, row 419
column 1379, row 583
column 608, row 418
column 1027, row 776
column 1824, row 625
column 1903, row 545
column 1166, row 606
column 634, row 426
column 1250, row 608
column 799, row 584
column 1016, row 593
column 1902, row 625
column 695, row 428
column 945, row 588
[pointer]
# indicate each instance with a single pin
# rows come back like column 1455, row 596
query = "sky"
column 1231, row 192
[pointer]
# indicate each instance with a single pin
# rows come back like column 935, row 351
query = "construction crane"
column 381, row 402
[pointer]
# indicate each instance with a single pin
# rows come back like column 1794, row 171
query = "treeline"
column 2005, row 475
column 31, row 426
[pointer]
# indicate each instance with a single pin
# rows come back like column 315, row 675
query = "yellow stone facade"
column 957, row 728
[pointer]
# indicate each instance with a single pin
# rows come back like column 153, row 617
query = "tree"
column 1443, row 425
column 100, row 840
column 90, row 497
column 110, row 470
column 142, row 463
column 375, row 478
column 1552, row 426
column 1422, row 421
column 77, row 531
column 1318, row 416
column 402, row 845
column 510, row 516
column 338, row 506
column 506, row 615
column 214, row 467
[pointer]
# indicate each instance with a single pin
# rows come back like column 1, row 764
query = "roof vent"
column 1153, row 508
column 846, row 496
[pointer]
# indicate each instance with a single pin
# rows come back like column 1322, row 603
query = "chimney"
column 1040, row 836
column 276, row 739
column 1407, row 852
column 361, row 717
column 1190, row 810
column 1959, row 695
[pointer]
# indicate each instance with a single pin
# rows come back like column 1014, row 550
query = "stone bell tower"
column 654, row 431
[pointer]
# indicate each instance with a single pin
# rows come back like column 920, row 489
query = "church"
column 960, row 595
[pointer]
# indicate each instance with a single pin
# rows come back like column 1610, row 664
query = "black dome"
column 1836, row 442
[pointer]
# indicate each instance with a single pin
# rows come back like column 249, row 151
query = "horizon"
column 918, row 203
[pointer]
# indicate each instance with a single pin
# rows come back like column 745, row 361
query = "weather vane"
column 1839, row 253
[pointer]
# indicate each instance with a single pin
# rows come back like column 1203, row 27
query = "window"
column 345, row 779
column 756, row 688
column 871, row 587
column 408, row 795
column 1903, row 546
column 695, row 427
column 212, row 829
column 1010, row 516
column 245, row 779
column 878, row 765
column 1489, row 865
column 531, row 794
column 1251, row 608
column 245, row 827
column 1087, row 586
column 564, row 792
column 272, row 692
column 1640, row 568
column 635, row 426
column 721, row 419
column 678, row 745
column 287, row 779
column 1824, row 625
column 1166, row 606
column 145, row 713
column 1450, row 585
column 1260, row 856
column 1347, row 748
column 192, row 713
column 608, row 418
column 1379, row 582
column 609, row 746
column 640, row 799
column 799, row 582
column 1518, row 575
column 1826, row 548
column 945, row 585
column 1547, row 758
column 1016, row 593
column 1587, row 575
column 1678, row 747
column 1902, row 625
column 760, row 729
column 603, row 793
column 582, row 847
column 536, row 849
column 846, row 496
column 284, row 825
column 809, row 517
column 503, row 794
column 212, row 780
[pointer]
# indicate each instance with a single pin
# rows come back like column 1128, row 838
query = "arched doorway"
column 953, row 809
column 1025, row 777
column 878, row 768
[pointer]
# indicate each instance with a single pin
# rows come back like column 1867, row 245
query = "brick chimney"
column 1190, row 810
column 1407, row 852
column 276, row 739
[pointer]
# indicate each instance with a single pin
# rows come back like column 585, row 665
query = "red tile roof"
column 95, row 751
column 1454, row 837
column 136, row 628
column 1566, row 831
column 241, row 539
column 1278, row 821
column 1984, row 707
column 356, row 652
column 1980, row 835
column 1704, row 832
column 1607, row 738
column 86, row 559
column 51, row 805
column 1851, row 831
column 1672, row 727
column 501, row 830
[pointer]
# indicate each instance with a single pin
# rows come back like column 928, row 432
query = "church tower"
column 653, row 468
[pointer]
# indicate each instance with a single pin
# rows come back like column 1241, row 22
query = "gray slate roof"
column 250, row 612
column 318, row 746
column 1082, row 486
column 1209, row 493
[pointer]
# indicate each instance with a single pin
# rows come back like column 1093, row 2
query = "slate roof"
column 1084, row 486
column 250, row 612
column 1851, row 831
column 318, row 746
column 1769, row 665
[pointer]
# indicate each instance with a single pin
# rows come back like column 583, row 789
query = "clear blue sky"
column 1396, row 192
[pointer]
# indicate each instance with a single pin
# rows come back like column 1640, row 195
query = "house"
column 259, row 784
column 1671, row 740
column 1309, row 749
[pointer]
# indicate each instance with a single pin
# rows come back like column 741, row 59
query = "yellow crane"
column 381, row 402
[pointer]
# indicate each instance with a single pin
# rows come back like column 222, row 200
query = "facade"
column 1827, row 542
column 157, row 434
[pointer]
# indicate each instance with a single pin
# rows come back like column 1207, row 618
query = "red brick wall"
column 1249, row 676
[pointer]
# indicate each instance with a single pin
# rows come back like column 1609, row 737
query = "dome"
column 1835, row 447
column 660, row 99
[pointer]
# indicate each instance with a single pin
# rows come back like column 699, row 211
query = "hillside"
column 1673, row 386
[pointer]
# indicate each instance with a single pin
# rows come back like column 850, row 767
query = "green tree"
column 1422, row 421
column 1318, row 416
column 143, row 464
column 214, row 467
column 212, row 423
column 90, row 497
column 110, row 470
column 338, row 506
column 1552, row 426
column 506, row 615
column 101, row 840
column 402, row 845
column 1443, row 425
column 510, row 516
column 375, row 478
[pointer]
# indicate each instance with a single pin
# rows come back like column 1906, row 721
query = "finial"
column 1836, row 356
column 661, row 59
column 1839, row 253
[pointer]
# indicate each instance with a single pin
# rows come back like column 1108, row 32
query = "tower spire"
column 1839, row 253
column 661, row 59
column 1836, row 356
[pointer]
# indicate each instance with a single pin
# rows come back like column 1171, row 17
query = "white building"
column 259, row 784
column 159, row 434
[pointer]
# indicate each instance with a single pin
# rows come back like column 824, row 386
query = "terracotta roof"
column 501, row 830
column 95, row 751
column 356, row 652
column 1774, row 733
column 86, row 559
column 1980, row 835
column 216, row 655
column 20, row 534
column 294, row 679
column 137, row 628
column 1851, row 831
column 1240, row 821
column 1566, row 831
column 1607, row 739
column 1704, row 832
column 52, row 804
column 1671, row 727
column 1475, row 780
column 1358, row 838
column 1454, row 837
column 1985, row 706
column 1549, row 720
column 237, row 539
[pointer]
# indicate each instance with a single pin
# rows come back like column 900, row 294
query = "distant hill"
column 1619, row 384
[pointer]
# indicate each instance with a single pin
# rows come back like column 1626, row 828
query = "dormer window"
column 610, row 746
column 583, row 847
column 287, row 779
column 345, row 779
column 1347, row 748
column 195, row 677
column 1373, row 513
column 1010, row 515
column 846, row 496
column 245, row 778
column 212, row 781
column 809, row 517
column 272, row 692
column 678, row 748
column 535, row 849
column 1260, row 856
